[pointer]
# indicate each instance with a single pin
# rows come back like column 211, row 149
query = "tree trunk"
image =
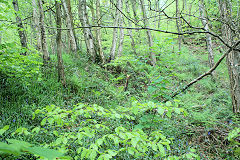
column 115, row 34
column 61, row 75
column 21, row 32
column 233, row 58
column 36, row 25
column 88, row 36
column 130, row 31
column 149, row 36
column 178, row 23
column 71, row 37
column 98, row 31
column 121, row 33
column 46, row 57
column 208, row 36
column 136, row 19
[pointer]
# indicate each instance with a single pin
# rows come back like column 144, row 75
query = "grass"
column 91, row 84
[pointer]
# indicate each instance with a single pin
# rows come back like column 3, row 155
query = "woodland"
column 120, row 79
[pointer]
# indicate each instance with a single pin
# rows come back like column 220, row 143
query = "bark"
column 129, row 30
column 208, row 36
column 71, row 37
column 71, row 18
column 136, row 18
column 61, row 75
column 149, row 35
column 51, row 32
column 233, row 58
column 36, row 25
column 98, row 31
column 115, row 34
column 46, row 57
column 88, row 36
column 21, row 33
column 178, row 23
column 121, row 33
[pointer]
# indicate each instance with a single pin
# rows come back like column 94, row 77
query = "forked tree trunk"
column 61, row 75
column 233, row 58
column 21, row 32
column 96, row 20
column 149, row 35
column 88, row 36
column 46, row 57
column 208, row 36
column 71, row 37
column 36, row 25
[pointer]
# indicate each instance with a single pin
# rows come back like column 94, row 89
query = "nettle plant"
column 93, row 132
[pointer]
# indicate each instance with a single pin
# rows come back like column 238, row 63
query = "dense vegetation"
column 122, row 105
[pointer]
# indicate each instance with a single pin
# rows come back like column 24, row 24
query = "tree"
column 46, row 56
column 61, row 75
column 178, row 23
column 115, row 32
column 21, row 33
column 36, row 27
column 96, row 20
column 121, row 31
column 149, row 35
column 233, row 58
column 130, row 31
column 71, row 35
column 208, row 36
column 98, row 31
column 88, row 36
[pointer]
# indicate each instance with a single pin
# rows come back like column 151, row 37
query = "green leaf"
column 22, row 143
column 36, row 129
column 177, row 110
column 237, row 151
column 168, row 104
column 64, row 140
column 134, row 141
column 55, row 133
column 112, row 153
column 58, row 141
column 161, row 110
column 84, row 152
column 131, row 150
column 99, row 141
column 33, row 116
column 9, row 149
column 154, row 147
column 93, row 155
column 169, row 113
column 107, row 156
column 43, row 122
column 4, row 129
column 45, row 152
column 50, row 120
column 161, row 150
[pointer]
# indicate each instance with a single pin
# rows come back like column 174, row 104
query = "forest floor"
column 208, row 102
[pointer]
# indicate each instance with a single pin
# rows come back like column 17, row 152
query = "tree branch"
column 206, row 73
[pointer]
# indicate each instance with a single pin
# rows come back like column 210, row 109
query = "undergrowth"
column 97, row 116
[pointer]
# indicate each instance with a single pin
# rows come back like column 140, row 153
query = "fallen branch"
column 206, row 73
